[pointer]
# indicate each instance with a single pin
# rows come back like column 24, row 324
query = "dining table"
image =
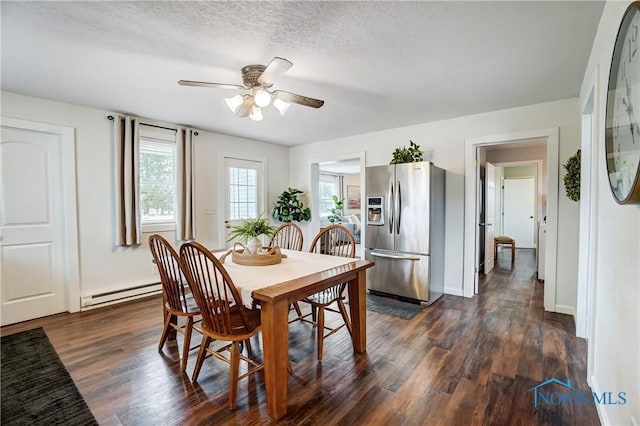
column 275, row 287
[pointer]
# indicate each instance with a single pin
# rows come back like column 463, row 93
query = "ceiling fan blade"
column 298, row 99
column 206, row 84
column 246, row 107
column 275, row 69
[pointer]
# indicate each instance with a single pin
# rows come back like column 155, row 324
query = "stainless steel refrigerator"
column 404, row 230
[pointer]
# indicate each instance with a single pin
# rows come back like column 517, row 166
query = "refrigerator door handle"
column 395, row 256
column 399, row 209
column 396, row 212
column 390, row 207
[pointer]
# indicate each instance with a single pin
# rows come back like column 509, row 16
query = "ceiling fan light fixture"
column 234, row 102
column 256, row 113
column 262, row 98
column 255, row 92
column 281, row 105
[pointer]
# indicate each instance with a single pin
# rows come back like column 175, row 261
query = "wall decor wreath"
column 572, row 177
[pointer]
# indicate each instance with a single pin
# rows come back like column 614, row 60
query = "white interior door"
column 519, row 210
column 489, row 216
column 243, row 193
column 32, row 253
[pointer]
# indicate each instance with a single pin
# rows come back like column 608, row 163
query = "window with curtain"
column 153, row 171
column 329, row 186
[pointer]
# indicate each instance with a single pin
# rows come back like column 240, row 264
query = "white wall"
column 520, row 171
column 104, row 267
column 443, row 144
column 616, row 336
column 209, row 150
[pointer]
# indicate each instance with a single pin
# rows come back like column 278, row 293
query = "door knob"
column 228, row 225
column 530, row 217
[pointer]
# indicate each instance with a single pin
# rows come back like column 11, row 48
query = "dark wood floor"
column 459, row 362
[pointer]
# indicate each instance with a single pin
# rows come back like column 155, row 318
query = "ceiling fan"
column 256, row 93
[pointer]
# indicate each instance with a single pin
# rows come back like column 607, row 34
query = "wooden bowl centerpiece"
column 265, row 256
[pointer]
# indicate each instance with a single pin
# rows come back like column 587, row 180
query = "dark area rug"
column 393, row 307
column 36, row 388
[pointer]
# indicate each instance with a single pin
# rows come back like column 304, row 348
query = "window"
column 157, row 180
column 329, row 186
column 243, row 193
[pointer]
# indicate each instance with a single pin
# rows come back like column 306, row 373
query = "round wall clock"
column 622, row 122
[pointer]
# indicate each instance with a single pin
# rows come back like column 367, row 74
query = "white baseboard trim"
column 119, row 296
column 453, row 291
column 564, row 309
column 600, row 408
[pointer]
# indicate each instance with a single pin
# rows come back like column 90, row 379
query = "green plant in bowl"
column 249, row 231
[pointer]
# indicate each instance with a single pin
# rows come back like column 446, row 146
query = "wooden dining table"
column 275, row 287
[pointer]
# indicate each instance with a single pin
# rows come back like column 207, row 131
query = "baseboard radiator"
column 119, row 296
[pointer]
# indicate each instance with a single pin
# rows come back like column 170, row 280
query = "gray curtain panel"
column 185, row 227
column 127, row 180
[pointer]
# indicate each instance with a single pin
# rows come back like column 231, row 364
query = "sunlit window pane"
column 157, row 181
column 328, row 187
column 243, row 193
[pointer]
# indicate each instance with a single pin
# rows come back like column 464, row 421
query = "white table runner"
column 296, row 265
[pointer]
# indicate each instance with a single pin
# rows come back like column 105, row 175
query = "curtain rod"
column 111, row 117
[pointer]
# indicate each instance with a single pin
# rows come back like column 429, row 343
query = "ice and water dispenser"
column 375, row 212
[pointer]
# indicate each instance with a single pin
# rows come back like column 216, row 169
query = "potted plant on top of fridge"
column 249, row 231
column 407, row 155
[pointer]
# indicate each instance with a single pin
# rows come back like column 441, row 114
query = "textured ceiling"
column 377, row 65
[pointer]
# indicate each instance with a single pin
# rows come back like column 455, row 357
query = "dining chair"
column 177, row 301
column 224, row 317
column 334, row 240
column 289, row 236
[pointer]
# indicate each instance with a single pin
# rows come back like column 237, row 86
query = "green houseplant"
column 287, row 208
column 407, row 155
column 336, row 210
column 249, row 231
column 572, row 177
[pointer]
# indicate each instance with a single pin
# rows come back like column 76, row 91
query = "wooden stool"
column 505, row 240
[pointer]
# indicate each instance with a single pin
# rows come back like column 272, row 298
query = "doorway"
column 471, row 229
column 587, row 273
column 38, row 222
column 343, row 177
